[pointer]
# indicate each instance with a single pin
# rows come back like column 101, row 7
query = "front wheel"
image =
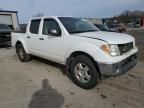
column 83, row 72
column 23, row 56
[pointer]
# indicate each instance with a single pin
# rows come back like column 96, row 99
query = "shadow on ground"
column 47, row 97
column 51, row 63
column 7, row 46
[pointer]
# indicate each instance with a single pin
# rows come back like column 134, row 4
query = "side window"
column 34, row 27
column 50, row 24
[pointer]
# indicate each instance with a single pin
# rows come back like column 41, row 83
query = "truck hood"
column 110, row 37
column 5, row 31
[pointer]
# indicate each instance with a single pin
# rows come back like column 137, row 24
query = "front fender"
column 94, row 51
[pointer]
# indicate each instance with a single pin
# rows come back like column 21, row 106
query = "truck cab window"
column 50, row 24
column 34, row 27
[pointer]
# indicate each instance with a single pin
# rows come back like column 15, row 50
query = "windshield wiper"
column 90, row 30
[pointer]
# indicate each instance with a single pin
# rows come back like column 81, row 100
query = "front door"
column 52, row 43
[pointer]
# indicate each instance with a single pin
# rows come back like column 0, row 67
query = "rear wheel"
column 23, row 56
column 83, row 72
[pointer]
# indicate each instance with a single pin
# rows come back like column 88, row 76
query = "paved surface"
column 135, row 29
column 43, row 84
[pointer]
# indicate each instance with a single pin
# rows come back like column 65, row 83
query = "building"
column 9, row 18
column 95, row 20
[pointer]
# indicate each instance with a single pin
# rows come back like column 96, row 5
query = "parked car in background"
column 118, row 27
column 5, row 34
column 129, row 23
column 104, row 28
column 137, row 22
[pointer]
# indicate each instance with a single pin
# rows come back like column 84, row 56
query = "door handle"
column 28, row 37
column 41, row 38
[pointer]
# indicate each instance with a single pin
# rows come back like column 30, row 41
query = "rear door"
column 33, row 36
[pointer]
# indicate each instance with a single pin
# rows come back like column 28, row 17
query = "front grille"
column 125, row 47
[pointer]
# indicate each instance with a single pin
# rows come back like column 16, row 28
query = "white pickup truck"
column 87, row 52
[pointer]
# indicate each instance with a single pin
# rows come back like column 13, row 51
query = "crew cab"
column 87, row 52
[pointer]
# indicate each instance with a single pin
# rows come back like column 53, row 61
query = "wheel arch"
column 24, row 45
column 77, row 53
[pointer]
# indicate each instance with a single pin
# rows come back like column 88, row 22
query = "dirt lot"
column 43, row 84
column 139, row 35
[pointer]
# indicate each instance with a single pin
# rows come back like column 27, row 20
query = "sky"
column 77, row 8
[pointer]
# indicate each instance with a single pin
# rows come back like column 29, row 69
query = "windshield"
column 77, row 25
column 3, row 26
column 101, row 27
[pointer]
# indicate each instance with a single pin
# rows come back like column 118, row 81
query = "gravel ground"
column 44, row 84
column 139, row 36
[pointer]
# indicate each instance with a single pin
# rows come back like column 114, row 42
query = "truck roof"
column 42, row 17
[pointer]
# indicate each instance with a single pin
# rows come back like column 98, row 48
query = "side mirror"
column 53, row 32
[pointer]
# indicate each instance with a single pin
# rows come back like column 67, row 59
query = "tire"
column 23, row 56
column 83, row 72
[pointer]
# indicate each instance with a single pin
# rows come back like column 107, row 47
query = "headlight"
column 112, row 50
column 7, row 35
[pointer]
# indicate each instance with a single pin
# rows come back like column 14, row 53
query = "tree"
column 128, row 16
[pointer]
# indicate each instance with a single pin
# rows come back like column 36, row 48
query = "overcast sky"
column 78, row 8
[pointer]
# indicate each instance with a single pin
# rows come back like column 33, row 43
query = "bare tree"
column 127, row 16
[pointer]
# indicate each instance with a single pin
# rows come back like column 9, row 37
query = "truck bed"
column 15, row 36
